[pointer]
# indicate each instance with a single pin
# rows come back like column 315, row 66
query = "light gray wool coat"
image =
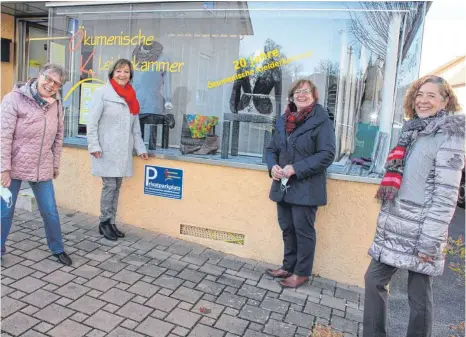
column 417, row 219
column 113, row 131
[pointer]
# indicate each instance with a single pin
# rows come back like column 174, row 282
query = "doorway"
column 32, row 47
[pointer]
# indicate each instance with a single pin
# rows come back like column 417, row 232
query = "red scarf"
column 295, row 118
column 128, row 93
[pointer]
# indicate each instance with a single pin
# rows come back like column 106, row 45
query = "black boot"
column 118, row 233
column 64, row 258
column 106, row 230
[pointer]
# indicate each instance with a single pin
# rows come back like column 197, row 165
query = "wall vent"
column 212, row 234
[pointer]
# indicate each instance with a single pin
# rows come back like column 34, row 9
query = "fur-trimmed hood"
column 451, row 125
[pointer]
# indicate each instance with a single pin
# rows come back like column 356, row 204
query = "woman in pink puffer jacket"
column 31, row 142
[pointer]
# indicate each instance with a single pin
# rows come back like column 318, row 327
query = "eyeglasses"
column 302, row 91
column 51, row 80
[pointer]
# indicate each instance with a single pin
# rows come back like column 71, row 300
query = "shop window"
column 223, row 70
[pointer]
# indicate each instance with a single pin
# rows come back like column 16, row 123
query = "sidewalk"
column 149, row 284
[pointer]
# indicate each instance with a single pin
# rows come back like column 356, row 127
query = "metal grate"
column 212, row 234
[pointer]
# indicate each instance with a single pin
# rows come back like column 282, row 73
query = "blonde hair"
column 445, row 90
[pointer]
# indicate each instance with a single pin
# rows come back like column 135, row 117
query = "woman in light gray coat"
column 418, row 195
column 113, row 132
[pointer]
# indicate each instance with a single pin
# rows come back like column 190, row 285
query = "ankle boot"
column 186, row 149
column 210, row 146
column 118, row 233
column 106, row 230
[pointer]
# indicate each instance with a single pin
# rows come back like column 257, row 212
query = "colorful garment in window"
column 199, row 125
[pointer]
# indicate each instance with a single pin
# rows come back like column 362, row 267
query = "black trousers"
column 420, row 299
column 299, row 237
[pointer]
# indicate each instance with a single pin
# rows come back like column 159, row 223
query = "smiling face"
column 302, row 96
column 48, row 84
column 122, row 74
column 429, row 100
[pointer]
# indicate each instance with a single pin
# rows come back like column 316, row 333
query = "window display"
column 212, row 80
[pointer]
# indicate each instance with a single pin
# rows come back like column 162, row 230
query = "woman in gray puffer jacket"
column 418, row 195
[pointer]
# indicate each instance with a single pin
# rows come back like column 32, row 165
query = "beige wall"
column 232, row 199
column 7, row 68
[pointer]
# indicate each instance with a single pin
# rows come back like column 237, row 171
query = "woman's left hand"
column 425, row 258
column 288, row 171
column 144, row 156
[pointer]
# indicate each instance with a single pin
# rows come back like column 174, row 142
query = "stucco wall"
column 232, row 199
column 7, row 68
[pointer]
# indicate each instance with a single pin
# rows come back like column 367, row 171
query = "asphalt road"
column 449, row 294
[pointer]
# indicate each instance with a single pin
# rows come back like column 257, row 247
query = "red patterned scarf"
column 128, row 93
column 295, row 118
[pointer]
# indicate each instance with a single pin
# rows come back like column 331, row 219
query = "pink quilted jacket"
column 31, row 138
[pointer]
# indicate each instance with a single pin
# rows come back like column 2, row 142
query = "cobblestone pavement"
column 149, row 284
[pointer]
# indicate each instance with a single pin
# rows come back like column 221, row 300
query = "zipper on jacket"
column 41, row 146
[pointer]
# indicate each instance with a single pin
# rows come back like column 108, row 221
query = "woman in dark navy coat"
column 302, row 148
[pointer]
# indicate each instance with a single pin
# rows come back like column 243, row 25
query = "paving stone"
column 18, row 323
column 98, row 255
column 101, row 283
column 43, row 327
column 295, row 307
column 87, row 305
column 59, row 277
column 171, row 272
column 251, row 333
column 209, row 297
column 28, row 284
column 253, row 302
column 154, row 327
column 143, row 289
column 36, row 255
column 158, row 254
column 231, row 300
column 182, row 317
column 116, row 296
column 256, row 327
column 143, row 245
column 127, row 276
column 40, row 298
column 299, row 319
column 54, row 313
column 271, row 285
column 179, row 249
column 232, row 324
column 338, row 313
column 136, row 260
column 210, row 287
column 198, row 260
column 30, row 310
column 354, row 314
column 122, row 332
column 17, row 272
column 87, row 271
column 87, row 246
column 214, row 309
column 80, row 280
column 63, row 301
column 277, row 317
column 344, row 325
column 112, row 265
column 10, row 260
column 251, row 282
column 173, row 264
column 205, row 331
column 122, row 286
column 279, row 329
column 231, row 290
column 275, row 305
column 324, row 283
column 10, row 306
column 72, row 290
column 168, row 282
column 6, row 290
column 163, row 303
column 293, row 297
column 17, row 294
column 249, row 274
column 38, row 274
column 189, row 284
column 231, row 312
column 211, row 278
column 252, row 292
column 7, row 280
column 211, row 269
column 332, row 302
column 230, row 280
column 254, row 314
column 347, row 294
column 207, row 321
column 27, row 263
column 129, row 324
column 230, row 263
column 179, row 331
column 96, row 333
column 310, row 290
column 159, row 314
column 111, row 308
column 350, row 304
column 94, row 293
column 103, row 320
column 318, row 310
column 186, row 294
column 47, row 266
column 191, row 275
column 327, row 292
column 185, row 306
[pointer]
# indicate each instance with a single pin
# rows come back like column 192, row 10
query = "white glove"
column 168, row 105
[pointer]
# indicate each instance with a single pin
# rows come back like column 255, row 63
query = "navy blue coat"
column 310, row 149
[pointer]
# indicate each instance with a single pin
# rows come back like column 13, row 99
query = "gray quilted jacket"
column 417, row 220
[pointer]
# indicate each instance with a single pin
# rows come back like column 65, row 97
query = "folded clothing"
column 199, row 125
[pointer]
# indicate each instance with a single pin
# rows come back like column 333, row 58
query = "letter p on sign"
column 151, row 173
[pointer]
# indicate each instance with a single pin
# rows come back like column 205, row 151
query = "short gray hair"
column 54, row 68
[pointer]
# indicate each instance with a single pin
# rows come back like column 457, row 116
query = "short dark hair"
column 120, row 63
column 299, row 83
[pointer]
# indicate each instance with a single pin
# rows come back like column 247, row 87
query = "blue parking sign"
column 163, row 182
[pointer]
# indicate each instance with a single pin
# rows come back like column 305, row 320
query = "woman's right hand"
column 6, row 179
column 96, row 154
column 277, row 172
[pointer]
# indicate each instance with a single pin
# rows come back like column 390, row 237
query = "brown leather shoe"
column 278, row 273
column 294, row 281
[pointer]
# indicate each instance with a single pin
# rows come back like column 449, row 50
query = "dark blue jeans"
column 45, row 196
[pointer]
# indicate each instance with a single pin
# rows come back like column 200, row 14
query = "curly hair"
column 445, row 90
